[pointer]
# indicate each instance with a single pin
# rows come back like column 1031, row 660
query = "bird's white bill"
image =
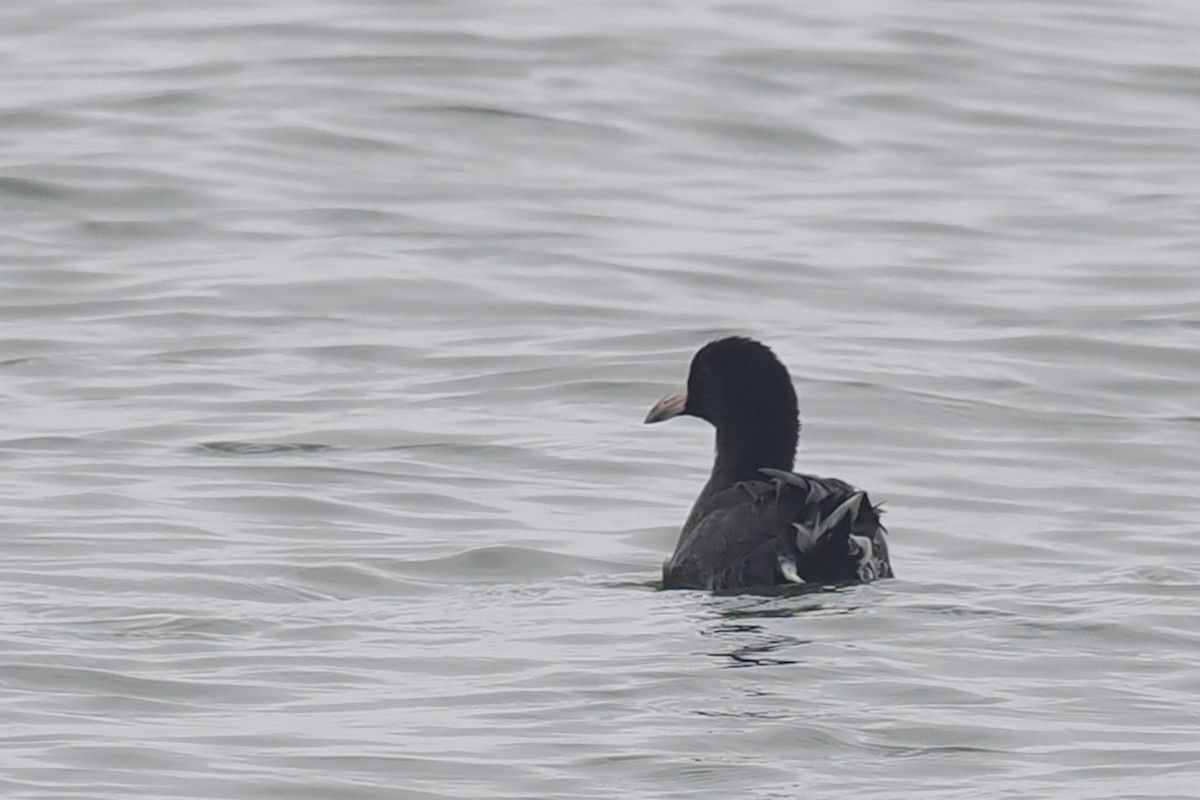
column 670, row 406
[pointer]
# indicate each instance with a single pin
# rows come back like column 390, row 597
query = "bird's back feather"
column 785, row 529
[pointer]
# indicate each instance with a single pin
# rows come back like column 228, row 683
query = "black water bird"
column 757, row 524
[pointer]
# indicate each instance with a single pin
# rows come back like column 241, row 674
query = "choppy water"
column 326, row 330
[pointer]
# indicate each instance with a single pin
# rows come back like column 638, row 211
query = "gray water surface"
column 327, row 328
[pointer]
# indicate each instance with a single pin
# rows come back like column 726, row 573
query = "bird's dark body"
column 757, row 524
column 733, row 540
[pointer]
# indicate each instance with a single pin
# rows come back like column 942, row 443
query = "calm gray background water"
column 327, row 328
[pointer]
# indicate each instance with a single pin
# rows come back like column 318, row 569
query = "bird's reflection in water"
column 754, row 645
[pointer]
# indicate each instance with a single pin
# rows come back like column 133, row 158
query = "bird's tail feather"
column 836, row 528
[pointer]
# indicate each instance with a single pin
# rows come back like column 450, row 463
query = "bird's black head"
column 734, row 382
column 739, row 382
column 739, row 386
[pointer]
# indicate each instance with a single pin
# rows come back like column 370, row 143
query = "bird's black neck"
column 742, row 452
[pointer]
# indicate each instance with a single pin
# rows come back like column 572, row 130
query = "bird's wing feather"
column 765, row 533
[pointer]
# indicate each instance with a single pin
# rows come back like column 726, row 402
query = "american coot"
column 757, row 524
